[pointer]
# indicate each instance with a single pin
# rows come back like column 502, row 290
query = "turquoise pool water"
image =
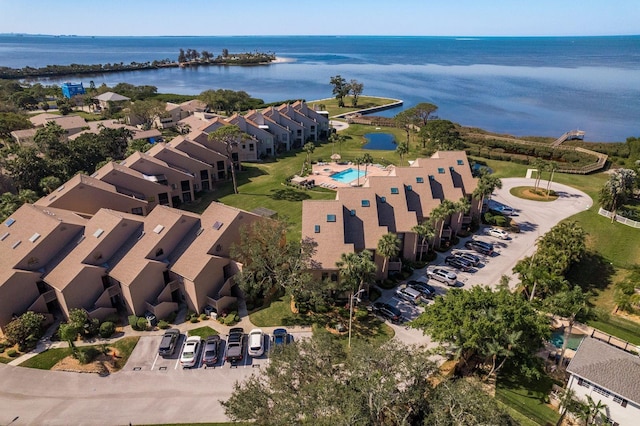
column 557, row 337
column 380, row 141
column 347, row 176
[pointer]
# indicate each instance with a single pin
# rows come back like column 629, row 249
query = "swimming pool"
column 557, row 337
column 347, row 176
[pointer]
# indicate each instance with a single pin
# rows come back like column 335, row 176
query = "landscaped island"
column 188, row 58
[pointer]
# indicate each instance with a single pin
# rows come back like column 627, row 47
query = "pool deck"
column 322, row 173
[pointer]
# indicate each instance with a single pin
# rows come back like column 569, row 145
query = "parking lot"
column 145, row 356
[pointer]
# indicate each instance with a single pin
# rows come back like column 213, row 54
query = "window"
column 622, row 402
column 460, row 163
column 601, row 391
column 441, row 170
column 251, row 147
column 395, row 191
column 419, row 179
column 316, row 229
column 352, row 212
column 163, row 199
column 185, row 185
column 331, row 218
column 365, row 203
column 220, row 165
column 582, row 382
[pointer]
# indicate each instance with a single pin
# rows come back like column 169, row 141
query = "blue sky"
column 322, row 17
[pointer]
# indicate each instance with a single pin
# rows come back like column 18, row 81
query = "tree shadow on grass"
column 593, row 272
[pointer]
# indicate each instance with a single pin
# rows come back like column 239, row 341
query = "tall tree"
column 271, row 262
column 339, row 138
column 356, row 88
column 316, row 381
column 356, row 270
column 308, row 148
column 425, row 231
column 147, row 111
column 443, row 135
column 388, row 247
column 552, row 166
column 366, row 159
column 340, row 89
column 617, row 189
column 423, row 111
column 230, row 136
column 402, row 149
column 572, row 305
column 540, row 166
column 467, row 320
column 487, row 184
column 405, row 120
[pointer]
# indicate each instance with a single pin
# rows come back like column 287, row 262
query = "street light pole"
column 353, row 296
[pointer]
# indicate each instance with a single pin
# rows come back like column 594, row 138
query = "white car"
column 189, row 355
column 506, row 210
column 498, row 233
column 256, row 342
column 442, row 275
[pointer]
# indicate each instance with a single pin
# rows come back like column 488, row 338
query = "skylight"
column 317, row 229
column 365, row 203
column 460, row 163
column 158, row 229
column 331, row 218
column 10, row 222
column 441, row 170
column 98, row 232
column 34, row 237
column 419, row 179
column 395, row 191
column 217, row 225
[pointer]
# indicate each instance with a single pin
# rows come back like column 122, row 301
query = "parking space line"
column 154, row 361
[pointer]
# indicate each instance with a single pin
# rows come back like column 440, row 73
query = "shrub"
column 231, row 319
column 107, row 328
column 361, row 314
column 142, row 324
column 194, row 320
column 171, row 317
column 133, row 321
column 12, row 353
column 163, row 325
column 87, row 354
column 25, row 330
column 203, row 317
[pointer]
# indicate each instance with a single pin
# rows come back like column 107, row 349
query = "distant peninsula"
column 186, row 58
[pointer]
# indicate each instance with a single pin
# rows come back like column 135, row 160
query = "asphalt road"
column 155, row 390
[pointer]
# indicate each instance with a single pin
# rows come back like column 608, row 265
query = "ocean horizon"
column 523, row 86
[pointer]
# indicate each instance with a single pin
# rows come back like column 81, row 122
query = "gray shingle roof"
column 608, row 367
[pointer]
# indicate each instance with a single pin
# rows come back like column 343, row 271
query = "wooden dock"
column 572, row 134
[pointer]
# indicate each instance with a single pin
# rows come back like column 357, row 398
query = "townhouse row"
column 360, row 216
column 53, row 260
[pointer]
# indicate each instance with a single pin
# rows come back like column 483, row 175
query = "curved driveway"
column 29, row 396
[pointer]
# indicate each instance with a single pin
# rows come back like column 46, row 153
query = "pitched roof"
column 111, row 96
column 608, row 367
column 67, row 122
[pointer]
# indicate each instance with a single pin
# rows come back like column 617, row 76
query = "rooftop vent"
column 158, row 229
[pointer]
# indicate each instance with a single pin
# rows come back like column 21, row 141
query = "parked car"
column 280, row 337
column 409, row 294
column 168, row 343
column 211, row 349
column 256, row 342
column 425, row 289
column 471, row 258
column 235, row 345
column 498, row 233
column 189, row 356
column 442, row 275
column 458, row 263
column 480, row 246
column 387, row 311
column 506, row 210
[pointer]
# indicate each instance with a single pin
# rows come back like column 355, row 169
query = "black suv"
column 168, row 342
column 458, row 263
column 235, row 345
column 480, row 247
column 425, row 289
column 391, row 313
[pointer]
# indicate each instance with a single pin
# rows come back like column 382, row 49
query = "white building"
column 608, row 374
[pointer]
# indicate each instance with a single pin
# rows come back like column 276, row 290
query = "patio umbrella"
column 335, row 157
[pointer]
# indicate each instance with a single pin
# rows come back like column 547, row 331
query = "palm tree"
column 616, row 190
column 357, row 269
column 388, row 247
column 487, row 184
column 567, row 304
column 366, row 159
column 439, row 215
column 567, row 401
column 402, row 149
column 50, row 183
column 425, row 231
column 505, row 349
column 357, row 161
column 540, row 165
column 230, row 136
column 594, row 410
column 337, row 137
column 309, row 147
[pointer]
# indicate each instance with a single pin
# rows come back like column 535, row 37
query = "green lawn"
column 331, row 104
column 273, row 314
column 203, row 332
column 47, row 359
column 528, row 397
column 619, row 327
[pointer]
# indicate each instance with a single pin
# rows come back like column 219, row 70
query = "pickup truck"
column 235, row 345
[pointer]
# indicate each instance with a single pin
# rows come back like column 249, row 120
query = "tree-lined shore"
column 188, row 58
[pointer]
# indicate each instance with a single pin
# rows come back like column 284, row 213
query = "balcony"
column 164, row 304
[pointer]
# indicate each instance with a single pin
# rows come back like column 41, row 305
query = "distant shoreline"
column 232, row 59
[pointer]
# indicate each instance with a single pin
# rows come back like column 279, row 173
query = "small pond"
column 380, row 141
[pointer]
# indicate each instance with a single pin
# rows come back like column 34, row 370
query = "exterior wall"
column 83, row 291
column 88, row 199
column 17, row 294
column 174, row 177
column 624, row 416
column 145, row 288
column 207, row 284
